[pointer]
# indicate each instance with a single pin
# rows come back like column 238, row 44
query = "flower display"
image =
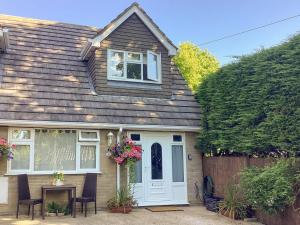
column 124, row 152
column 6, row 150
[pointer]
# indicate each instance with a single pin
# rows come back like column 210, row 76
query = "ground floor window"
column 47, row 150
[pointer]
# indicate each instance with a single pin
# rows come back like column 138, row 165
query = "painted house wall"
column 106, row 186
column 133, row 36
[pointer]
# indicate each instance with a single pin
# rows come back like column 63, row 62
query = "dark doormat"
column 164, row 209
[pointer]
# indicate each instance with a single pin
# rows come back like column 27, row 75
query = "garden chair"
column 24, row 197
column 89, row 192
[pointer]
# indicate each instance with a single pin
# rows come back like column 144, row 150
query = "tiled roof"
column 42, row 78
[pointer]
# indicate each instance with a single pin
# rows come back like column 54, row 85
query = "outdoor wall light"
column 110, row 136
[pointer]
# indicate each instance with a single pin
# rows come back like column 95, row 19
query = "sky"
column 181, row 20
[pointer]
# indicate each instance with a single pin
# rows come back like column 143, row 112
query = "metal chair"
column 24, row 197
column 89, row 192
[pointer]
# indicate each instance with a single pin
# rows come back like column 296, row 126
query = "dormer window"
column 134, row 66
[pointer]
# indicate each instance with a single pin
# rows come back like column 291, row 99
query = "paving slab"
column 192, row 215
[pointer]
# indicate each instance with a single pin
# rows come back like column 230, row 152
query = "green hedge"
column 253, row 106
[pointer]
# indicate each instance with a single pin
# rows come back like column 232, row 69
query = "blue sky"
column 182, row 20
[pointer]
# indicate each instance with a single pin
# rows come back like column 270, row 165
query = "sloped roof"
column 134, row 8
column 42, row 78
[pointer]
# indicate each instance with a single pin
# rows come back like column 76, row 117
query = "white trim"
column 134, row 9
column 140, row 62
column 78, row 125
column 80, row 138
column 158, row 65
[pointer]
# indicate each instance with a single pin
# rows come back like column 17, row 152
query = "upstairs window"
column 134, row 66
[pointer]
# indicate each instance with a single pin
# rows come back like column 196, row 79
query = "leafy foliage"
column 252, row 107
column 272, row 188
column 234, row 205
column 124, row 198
column 195, row 63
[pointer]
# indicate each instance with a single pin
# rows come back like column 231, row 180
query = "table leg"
column 43, row 203
column 74, row 203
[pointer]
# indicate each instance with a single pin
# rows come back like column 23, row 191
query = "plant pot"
column 60, row 214
column 58, row 182
column 51, row 214
column 126, row 209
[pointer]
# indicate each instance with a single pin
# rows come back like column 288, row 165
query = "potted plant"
column 54, row 209
column 123, row 202
column 6, row 150
column 125, row 152
column 234, row 205
column 58, row 178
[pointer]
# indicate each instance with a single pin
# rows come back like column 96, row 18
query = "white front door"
column 157, row 169
column 160, row 175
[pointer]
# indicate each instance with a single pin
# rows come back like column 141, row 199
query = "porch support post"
column 118, row 166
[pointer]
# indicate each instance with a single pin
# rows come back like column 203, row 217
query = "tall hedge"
column 252, row 106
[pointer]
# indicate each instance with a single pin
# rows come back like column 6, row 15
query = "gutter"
column 86, row 125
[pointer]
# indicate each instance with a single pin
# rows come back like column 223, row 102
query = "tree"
column 252, row 106
column 195, row 64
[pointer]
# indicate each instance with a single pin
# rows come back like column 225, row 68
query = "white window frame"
column 78, row 151
column 31, row 142
column 181, row 143
column 126, row 60
column 89, row 139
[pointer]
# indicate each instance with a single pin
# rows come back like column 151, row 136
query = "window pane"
column 116, row 69
column 87, row 156
column 21, row 158
column 117, row 56
column 89, row 135
column 21, row 134
column 145, row 68
column 55, row 150
column 134, row 56
column 135, row 137
column 134, row 71
column 156, row 161
column 152, row 67
column 177, row 163
column 177, row 138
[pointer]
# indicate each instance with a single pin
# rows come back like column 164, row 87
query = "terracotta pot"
column 126, row 209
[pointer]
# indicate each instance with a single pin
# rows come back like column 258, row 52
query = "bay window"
column 48, row 150
column 133, row 66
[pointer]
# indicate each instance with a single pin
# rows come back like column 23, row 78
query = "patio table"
column 71, row 194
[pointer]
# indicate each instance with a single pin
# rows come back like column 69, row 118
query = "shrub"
column 274, row 187
column 251, row 107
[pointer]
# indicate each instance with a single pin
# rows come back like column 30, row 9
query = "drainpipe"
column 118, row 166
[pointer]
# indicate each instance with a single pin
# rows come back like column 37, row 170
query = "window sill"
column 135, row 85
column 109, row 78
column 50, row 173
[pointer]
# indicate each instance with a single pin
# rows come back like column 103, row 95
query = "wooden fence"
column 224, row 169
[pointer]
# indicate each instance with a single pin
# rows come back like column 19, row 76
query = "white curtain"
column 177, row 163
column 55, row 150
column 87, row 156
column 21, row 157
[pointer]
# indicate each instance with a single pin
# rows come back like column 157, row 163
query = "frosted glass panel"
column 21, row 158
column 87, row 156
column 177, row 163
column 55, row 150
column 21, row 134
column 89, row 135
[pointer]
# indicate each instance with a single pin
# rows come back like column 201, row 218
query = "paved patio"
column 194, row 215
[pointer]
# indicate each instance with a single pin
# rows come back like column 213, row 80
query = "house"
column 65, row 87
